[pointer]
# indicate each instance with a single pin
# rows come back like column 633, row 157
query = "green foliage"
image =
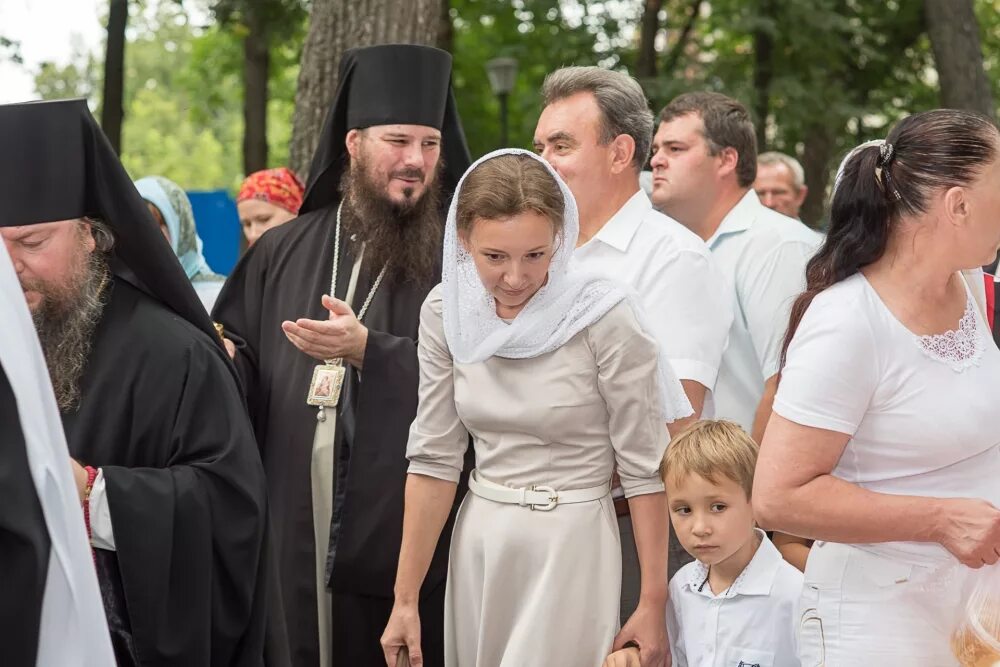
column 276, row 16
column 988, row 14
column 842, row 72
column 183, row 95
column 834, row 61
column 80, row 78
column 541, row 35
column 10, row 50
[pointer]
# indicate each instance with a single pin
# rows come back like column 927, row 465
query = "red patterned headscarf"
column 280, row 187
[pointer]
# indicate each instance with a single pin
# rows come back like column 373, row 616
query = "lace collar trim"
column 960, row 348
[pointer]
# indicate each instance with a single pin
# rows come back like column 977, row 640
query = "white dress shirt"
column 684, row 295
column 750, row 624
column 763, row 255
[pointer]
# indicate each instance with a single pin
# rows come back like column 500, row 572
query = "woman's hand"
column 403, row 630
column 647, row 627
column 970, row 530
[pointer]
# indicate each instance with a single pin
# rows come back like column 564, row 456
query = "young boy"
column 735, row 606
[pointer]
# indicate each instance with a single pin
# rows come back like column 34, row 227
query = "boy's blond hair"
column 712, row 447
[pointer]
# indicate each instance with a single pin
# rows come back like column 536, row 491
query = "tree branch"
column 674, row 55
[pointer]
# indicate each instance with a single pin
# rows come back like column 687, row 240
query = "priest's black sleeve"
column 190, row 535
column 392, row 375
column 238, row 309
column 24, row 540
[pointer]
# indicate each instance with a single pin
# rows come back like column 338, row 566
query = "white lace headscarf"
column 569, row 302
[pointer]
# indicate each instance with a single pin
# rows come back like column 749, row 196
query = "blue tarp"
column 219, row 227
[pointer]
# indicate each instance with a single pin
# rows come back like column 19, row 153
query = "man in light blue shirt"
column 704, row 164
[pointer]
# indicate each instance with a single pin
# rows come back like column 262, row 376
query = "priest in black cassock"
column 162, row 449
column 332, row 382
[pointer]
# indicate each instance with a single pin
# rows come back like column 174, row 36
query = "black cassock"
column 162, row 415
column 24, row 540
column 283, row 277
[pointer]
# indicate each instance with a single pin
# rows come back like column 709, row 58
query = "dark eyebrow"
column 561, row 136
column 403, row 135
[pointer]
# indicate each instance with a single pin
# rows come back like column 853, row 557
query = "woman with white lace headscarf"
column 884, row 444
column 552, row 374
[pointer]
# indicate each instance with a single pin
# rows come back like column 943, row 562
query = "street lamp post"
column 502, row 73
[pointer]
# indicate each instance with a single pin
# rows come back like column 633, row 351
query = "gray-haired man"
column 780, row 183
column 596, row 130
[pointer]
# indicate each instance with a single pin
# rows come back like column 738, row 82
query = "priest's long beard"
column 65, row 321
column 406, row 236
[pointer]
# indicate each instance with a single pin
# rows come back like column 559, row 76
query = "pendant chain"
column 336, row 263
column 334, row 368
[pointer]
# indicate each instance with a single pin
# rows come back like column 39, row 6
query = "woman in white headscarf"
column 552, row 374
column 171, row 208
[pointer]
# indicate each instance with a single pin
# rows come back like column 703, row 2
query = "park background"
column 205, row 91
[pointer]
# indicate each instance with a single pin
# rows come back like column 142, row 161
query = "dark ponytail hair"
column 929, row 151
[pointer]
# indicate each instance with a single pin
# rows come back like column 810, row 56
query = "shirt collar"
column 757, row 577
column 619, row 230
column 739, row 218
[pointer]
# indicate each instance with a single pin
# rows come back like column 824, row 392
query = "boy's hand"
column 627, row 657
column 647, row 627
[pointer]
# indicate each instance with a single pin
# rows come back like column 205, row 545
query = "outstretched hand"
column 341, row 336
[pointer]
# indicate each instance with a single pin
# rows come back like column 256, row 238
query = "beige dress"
column 530, row 587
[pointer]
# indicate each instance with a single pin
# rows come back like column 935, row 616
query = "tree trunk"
column 256, row 68
column 336, row 25
column 112, row 100
column 954, row 33
column 819, row 150
column 645, row 66
column 446, row 32
column 763, row 71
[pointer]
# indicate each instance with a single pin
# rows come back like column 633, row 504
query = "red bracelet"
column 91, row 476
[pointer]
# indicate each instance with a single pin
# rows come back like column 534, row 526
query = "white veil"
column 74, row 632
column 569, row 302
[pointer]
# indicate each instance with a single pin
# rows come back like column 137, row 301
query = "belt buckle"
column 553, row 499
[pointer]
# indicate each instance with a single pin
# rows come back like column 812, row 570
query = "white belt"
column 535, row 497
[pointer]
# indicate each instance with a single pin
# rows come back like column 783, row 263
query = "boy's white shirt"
column 752, row 623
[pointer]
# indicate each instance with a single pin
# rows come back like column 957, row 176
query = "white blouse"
column 921, row 410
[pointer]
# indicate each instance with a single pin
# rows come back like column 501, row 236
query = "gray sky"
column 48, row 30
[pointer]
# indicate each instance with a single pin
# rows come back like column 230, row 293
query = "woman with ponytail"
column 884, row 445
